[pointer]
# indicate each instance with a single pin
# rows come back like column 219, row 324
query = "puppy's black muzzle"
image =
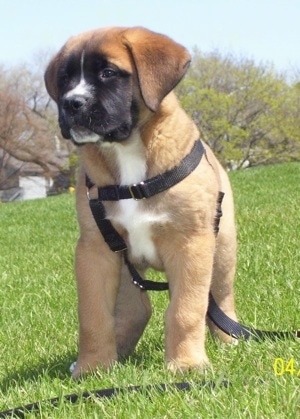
column 74, row 103
column 73, row 111
column 112, row 120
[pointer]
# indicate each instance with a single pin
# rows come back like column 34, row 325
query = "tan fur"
column 112, row 311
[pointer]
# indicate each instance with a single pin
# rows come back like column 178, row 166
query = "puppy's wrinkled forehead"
column 106, row 45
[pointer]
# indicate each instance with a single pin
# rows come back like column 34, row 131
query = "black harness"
column 144, row 190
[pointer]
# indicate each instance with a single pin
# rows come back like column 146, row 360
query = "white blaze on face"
column 82, row 135
column 82, row 88
column 81, row 65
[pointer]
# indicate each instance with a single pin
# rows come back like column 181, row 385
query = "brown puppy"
column 113, row 88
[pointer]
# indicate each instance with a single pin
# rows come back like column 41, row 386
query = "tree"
column 248, row 114
column 28, row 125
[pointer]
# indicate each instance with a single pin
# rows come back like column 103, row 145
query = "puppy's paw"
column 79, row 370
column 234, row 342
column 222, row 336
column 228, row 341
column 83, row 367
column 182, row 366
column 72, row 367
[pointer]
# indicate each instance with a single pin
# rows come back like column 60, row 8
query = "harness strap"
column 117, row 244
column 142, row 190
column 156, row 184
column 144, row 284
column 109, row 233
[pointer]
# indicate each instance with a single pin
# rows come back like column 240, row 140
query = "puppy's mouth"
column 82, row 135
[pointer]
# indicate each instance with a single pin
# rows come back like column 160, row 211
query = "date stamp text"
column 286, row 366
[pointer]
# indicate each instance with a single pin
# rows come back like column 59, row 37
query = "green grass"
column 38, row 321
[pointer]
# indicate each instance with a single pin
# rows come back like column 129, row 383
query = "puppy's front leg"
column 189, row 274
column 98, row 277
column 133, row 311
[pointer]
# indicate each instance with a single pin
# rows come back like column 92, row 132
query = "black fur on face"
column 95, row 99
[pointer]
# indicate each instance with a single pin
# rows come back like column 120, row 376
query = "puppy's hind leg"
column 132, row 313
column 224, row 268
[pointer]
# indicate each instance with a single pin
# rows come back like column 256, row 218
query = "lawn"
column 38, row 321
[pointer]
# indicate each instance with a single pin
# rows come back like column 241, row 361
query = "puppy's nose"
column 74, row 102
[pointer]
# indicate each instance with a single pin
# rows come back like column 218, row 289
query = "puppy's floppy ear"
column 50, row 77
column 160, row 63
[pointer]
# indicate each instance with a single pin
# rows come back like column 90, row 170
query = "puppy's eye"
column 107, row 73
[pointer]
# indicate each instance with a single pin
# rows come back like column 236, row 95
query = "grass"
column 38, row 321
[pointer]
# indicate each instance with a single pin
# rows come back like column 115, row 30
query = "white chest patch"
column 131, row 215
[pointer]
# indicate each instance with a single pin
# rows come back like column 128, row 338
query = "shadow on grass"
column 53, row 368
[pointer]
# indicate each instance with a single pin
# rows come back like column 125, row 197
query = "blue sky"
column 264, row 30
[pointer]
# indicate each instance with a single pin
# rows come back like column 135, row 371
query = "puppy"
column 113, row 88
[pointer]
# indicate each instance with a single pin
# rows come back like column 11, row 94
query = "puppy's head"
column 100, row 78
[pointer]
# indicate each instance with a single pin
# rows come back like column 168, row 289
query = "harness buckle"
column 136, row 192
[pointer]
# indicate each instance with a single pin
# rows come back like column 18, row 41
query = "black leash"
column 21, row 411
column 239, row 331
